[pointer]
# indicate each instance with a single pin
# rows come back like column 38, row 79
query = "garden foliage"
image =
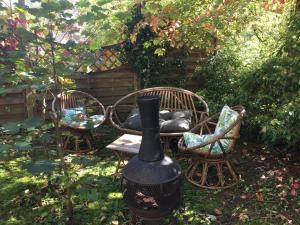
column 268, row 87
column 252, row 58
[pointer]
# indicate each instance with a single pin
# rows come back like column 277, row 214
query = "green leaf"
column 83, row 3
column 83, row 161
column 51, row 6
column 46, row 138
column 25, row 35
column 4, row 148
column 3, row 91
column 22, row 145
column 65, row 5
column 11, row 127
column 87, row 17
column 31, row 123
column 92, row 196
column 40, row 166
column 38, row 12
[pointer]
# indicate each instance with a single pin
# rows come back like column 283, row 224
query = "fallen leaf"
column 260, row 197
column 102, row 219
column 226, row 194
column 296, row 186
column 280, row 179
column 217, row 212
column 246, row 196
column 293, row 192
column 243, row 217
column 263, row 177
column 283, row 194
column 281, row 216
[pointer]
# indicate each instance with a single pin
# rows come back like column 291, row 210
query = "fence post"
column 29, row 102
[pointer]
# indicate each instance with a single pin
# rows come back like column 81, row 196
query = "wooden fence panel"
column 13, row 105
column 108, row 86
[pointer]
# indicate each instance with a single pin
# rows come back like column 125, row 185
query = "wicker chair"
column 207, row 169
column 81, row 134
column 172, row 99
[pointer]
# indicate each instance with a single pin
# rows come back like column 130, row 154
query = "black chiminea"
column 151, row 180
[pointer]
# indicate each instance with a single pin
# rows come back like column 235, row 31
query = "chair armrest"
column 183, row 147
column 109, row 113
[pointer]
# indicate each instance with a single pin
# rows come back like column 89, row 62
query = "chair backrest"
column 74, row 99
column 231, row 130
column 174, row 99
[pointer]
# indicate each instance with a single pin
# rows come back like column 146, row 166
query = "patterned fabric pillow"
column 70, row 114
column 88, row 123
column 192, row 140
column 226, row 118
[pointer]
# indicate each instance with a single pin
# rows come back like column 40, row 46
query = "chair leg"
column 77, row 138
column 77, row 142
column 120, row 157
column 66, row 142
column 204, row 173
column 89, row 142
column 232, row 171
column 191, row 169
column 220, row 174
column 204, row 169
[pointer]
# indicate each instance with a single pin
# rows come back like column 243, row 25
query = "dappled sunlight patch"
column 93, row 205
column 13, row 220
column 49, row 201
column 115, row 195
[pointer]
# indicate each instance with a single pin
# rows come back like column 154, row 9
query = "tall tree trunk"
column 297, row 6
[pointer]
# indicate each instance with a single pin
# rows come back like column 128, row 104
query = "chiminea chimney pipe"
column 151, row 149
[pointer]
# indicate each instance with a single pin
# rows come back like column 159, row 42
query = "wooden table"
column 124, row 145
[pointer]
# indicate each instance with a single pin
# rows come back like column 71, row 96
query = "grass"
column 262, row 197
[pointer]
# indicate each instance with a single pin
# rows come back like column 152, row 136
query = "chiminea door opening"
column 152, row 181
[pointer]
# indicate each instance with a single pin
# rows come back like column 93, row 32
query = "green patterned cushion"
column 227, row 117
column 192, row 140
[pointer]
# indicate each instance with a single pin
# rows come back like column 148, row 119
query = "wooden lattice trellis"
column 106, row 58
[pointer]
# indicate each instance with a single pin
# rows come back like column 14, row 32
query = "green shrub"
column 219, row 76
column 270, row 94
column 272, row 97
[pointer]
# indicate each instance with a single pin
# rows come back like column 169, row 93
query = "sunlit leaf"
column 5, row 147
column 22, row 145
column 11, row 127
column 31, row 123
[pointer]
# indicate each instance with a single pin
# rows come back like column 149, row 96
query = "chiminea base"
column 170, row 220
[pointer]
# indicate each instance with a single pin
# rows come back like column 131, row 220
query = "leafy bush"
column 219, row 76
column 272, row 97
column 270, row 93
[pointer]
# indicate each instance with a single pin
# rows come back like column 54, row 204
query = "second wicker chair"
column 209, row 144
